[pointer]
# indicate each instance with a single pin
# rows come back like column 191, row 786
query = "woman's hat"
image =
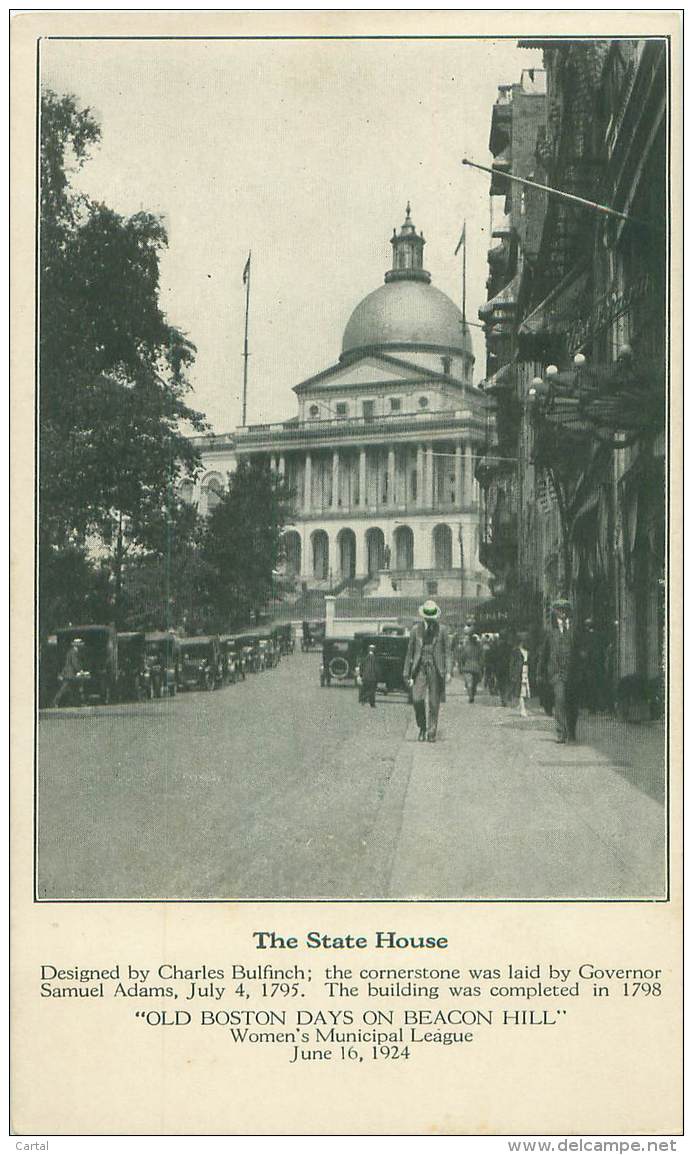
column 429, row 611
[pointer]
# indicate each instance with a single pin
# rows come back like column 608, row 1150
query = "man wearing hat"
column 73, row 665
column 561, row 670
column 426, row 668
column 367, row 675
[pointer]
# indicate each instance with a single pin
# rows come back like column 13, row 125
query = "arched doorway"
column 321, row 554
column 375, row 549
column 291, row 550
column 442, row 547
column 346, row 545
column 404, row 548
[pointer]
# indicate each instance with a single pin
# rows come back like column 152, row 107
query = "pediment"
column 371, row 369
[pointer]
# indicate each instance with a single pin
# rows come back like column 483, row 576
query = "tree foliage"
column 241, row 543
column 112, row 369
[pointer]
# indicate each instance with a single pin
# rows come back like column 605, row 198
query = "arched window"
column 321, row 554
column 290, row 552
column 404, row 548
column 375, row 549
column 442, row 547
column 346, row 546
column 212, row 491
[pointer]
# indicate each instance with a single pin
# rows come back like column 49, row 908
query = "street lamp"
column 617, row 403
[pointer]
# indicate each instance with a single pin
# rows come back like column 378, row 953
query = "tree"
column 112, row 369
column 242, row 541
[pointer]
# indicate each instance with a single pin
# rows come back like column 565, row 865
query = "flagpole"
column 245, row 342
column 462, row 244
column 464, row 276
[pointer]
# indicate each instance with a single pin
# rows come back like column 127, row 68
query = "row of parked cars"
column 134, row 666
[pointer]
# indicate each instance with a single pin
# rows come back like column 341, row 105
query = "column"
column 360, row 560
column 458, row 474
column 420, row 477
column 282, row 465
column 307, row 483
column 363, row 497
column 468, row 478
column 335, row 478
column 391, row 485
column 430, row 477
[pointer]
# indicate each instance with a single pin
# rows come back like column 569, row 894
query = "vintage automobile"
column 250, row 650
column 201, row 665
column 270, row 652
column 135, row 682
column 390, row 652
column 284, row 634
column 162, row 655
column 312, row 635
column 340, row 657
column 232, row 659
column 98, row 678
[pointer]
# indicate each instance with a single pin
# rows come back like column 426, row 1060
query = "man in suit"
column 426, row 668
column 368, row 678
column 561, row 658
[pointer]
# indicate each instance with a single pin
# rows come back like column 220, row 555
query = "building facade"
column 579, row 456
column 381, row 457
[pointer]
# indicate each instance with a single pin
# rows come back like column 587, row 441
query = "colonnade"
column 413, row 477
column 332, row 552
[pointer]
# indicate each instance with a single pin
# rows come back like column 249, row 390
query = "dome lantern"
column 407, row 253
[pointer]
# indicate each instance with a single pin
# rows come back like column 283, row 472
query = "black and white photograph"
column 353, row 470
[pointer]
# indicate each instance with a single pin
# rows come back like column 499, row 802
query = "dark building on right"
column 574, row 478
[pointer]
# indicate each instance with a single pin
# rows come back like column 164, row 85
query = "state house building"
column 381, row 455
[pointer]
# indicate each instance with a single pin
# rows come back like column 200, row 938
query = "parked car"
column 250, row 649
column 232, row 659
column 162, row 655
column 135, row 682
column 97, row 680
column 270, row 652
column 312, row 635
column 390, row 652
column 201, row 666
column 284, row 634
column 340, row 657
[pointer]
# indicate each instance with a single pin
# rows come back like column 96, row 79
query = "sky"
column 304, row 152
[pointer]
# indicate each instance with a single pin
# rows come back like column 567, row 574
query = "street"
column 277, row 789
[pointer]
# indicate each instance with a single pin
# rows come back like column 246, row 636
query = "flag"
column 246, row 271
column 463, row 238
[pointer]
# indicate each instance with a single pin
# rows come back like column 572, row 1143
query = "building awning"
column 504, row 300
column 559, row 310
column 503, row 376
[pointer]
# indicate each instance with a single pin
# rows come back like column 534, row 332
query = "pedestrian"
column 426, row 668
column 471, row 660
column 502, row 665
column 487, row 679
column 561, row 670
column 519, row 673
column 73, row 664
column 367, row 678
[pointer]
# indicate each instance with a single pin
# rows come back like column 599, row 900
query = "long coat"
column 441, row 652
column 471, row 657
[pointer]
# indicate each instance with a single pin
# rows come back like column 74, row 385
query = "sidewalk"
column 496, row 809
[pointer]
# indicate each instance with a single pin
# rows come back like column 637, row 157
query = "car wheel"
column 339, row 668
